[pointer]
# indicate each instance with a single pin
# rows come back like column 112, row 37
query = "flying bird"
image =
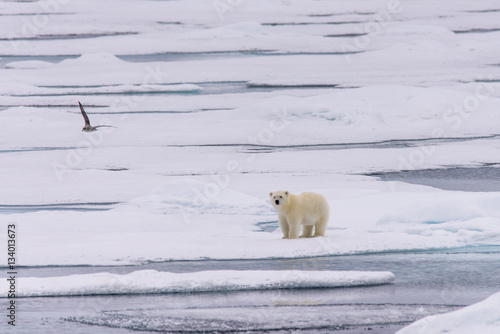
column 88, row 127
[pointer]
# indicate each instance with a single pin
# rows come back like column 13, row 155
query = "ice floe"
column 188, row 219
column 150, row 281
column 192, row 196
column 482, row 317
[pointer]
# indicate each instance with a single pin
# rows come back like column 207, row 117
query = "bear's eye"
column 281, row 196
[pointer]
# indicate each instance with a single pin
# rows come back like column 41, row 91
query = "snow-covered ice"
column 154, row 282
column 187, row 163
column 483, row 317
column 187, row 219
column 215, row 107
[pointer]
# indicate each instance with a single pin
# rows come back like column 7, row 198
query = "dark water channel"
column 426, row 283
column 485, row 178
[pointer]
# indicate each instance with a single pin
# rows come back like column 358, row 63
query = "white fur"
column 307, row 209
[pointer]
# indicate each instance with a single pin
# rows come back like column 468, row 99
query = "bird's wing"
column 84, row 114
column 105, row 126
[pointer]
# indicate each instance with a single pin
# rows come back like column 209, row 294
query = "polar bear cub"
column 307, row 209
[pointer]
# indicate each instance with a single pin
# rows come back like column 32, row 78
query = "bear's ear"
column 271, row 194
column 286, row 193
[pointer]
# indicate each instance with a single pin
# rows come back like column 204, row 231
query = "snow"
column 216, row 108
column 151, row 281
column 483, row 317
column 175, row 220
column 24, row 90
column 190, row 161
column 193, row 196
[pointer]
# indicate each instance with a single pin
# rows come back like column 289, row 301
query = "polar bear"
column 307, row 209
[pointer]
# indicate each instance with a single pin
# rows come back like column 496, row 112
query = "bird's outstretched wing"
column 84, row 114
column 105, row 126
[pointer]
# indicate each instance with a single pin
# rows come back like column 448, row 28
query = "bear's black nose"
column 277, row 202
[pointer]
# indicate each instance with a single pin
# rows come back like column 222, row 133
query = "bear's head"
column 278, row 199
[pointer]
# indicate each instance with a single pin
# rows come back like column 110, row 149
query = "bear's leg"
column 284, row 226
column 320, row 229
column 307, row 231
column 294, row 230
